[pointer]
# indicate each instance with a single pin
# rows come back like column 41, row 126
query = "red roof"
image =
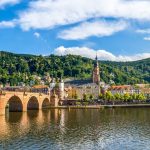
column 121, row 87
column 40, row 86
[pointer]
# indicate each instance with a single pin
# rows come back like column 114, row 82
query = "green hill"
column 16, row 68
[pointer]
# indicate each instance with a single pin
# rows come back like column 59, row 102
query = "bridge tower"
column 52, row 84
column 61, row 89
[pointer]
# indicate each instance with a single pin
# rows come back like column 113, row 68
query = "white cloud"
column 147, row 38
column 102, row 54
column 8, row 24
column 36, row 34
column 50, row 13
column 96, row 28
column 8, row 2
column 143, row 31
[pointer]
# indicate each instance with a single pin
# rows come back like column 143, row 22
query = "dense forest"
column 16, row 68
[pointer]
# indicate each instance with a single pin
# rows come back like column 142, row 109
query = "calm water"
column 108, row 129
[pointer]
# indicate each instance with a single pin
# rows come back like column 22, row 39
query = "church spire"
column 96, row 71
column 96, row 57
column 96, row 61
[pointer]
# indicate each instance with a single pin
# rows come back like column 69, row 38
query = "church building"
column 96, row 72
column 89, row 86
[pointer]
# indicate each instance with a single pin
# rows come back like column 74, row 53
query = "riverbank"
column 102, row 106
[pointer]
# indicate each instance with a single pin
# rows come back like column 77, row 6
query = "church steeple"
column 96, row 61
column 96, row 57
column 96, row 71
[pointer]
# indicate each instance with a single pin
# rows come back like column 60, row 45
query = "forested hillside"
column 16, row 68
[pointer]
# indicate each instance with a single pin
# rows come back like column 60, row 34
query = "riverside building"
column 89, row 87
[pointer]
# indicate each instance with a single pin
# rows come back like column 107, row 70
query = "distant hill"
column 16, row 68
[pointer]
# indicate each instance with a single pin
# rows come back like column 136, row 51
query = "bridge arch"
column 46, row 103
column 33, row 103
column 14, row 104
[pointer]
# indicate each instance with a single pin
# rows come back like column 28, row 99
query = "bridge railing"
column 20, row 91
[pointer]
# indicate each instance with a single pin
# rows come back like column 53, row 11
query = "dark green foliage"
column 16, row 68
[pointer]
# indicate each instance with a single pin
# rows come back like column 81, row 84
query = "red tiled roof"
column 120, row 87
column 40, row 86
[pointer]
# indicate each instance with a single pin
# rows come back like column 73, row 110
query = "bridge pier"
column 54, row 100
column 2, row 104
column 2, row 111
column 24, row 109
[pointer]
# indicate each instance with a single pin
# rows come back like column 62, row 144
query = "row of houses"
column 93, row 89
column 137, row 89
column 122, row 89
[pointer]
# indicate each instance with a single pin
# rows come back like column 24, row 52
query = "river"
column 64, row 129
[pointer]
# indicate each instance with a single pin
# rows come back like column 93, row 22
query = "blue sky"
column 118, row 30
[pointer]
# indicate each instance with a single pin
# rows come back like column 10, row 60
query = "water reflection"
column 13, row 117
column 125, row 128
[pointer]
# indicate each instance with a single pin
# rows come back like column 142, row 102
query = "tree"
column 117, row 96
column 91, row 97
column 121, row 97
column 85, row 97
column 101, row 96
column 71, row 66
column 141, row 97
column 108, row 96
column 75, row 96
column 134, row 96
column 126, row 97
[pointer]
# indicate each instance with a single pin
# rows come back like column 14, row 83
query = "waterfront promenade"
column 102, row 106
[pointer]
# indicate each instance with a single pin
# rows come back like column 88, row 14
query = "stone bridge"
column 23, row 101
